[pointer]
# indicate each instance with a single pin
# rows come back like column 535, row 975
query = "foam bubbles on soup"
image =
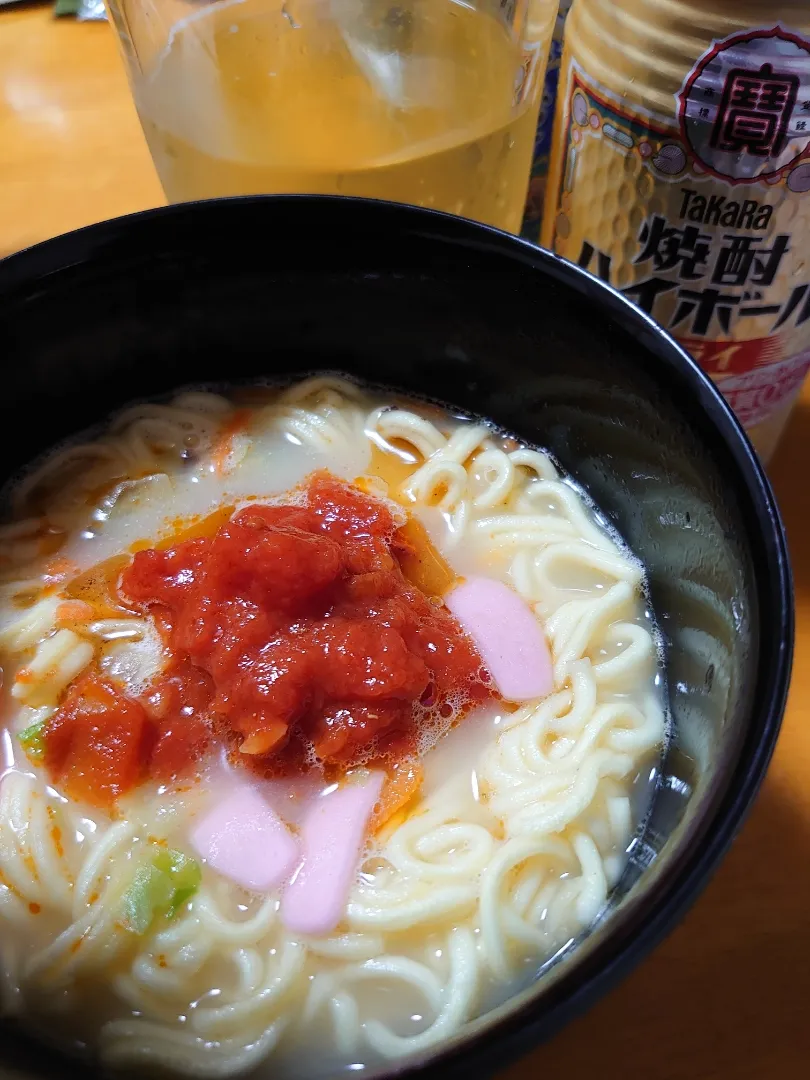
column 501, row 825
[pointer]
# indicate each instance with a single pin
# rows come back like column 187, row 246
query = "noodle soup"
column 327, row 718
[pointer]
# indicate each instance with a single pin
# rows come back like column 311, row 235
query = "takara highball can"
column 545, row 124
column 680, row 173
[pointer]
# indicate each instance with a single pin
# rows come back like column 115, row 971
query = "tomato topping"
column 292, row 631
column 98, row 743
column 179, row 706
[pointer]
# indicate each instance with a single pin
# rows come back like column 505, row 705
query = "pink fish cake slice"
column 244, row 839
column 332, row 836
column 507, row 635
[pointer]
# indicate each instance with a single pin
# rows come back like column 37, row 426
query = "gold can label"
column 700, row 217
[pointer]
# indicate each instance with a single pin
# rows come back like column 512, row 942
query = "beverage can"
column 680, row 173
column 545, row 123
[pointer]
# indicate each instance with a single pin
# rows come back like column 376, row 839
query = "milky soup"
column 327, row 716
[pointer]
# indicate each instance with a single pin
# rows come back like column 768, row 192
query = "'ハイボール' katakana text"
column 717, row 280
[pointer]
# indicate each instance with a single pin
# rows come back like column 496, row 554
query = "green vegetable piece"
column 160, row 887
column 32, row 742
column 143, row 898
column 185, row 876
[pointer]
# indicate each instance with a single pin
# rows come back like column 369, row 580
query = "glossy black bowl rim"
column 682, row 880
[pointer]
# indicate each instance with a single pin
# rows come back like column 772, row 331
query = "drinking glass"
column 432, row 102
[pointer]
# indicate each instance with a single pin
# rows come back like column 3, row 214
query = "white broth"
column 505, row 852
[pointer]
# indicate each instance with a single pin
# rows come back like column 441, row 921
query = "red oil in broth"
column 294, row 638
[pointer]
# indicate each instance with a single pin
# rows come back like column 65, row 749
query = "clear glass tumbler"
column 432, row 102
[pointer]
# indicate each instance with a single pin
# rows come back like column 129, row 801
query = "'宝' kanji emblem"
column 755, row 111
column 741, row 108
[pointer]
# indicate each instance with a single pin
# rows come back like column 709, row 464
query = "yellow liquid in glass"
column 415, row 102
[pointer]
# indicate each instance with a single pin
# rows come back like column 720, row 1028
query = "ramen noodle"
column 328, row 720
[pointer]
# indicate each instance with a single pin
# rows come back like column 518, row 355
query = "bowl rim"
column 544, row 1010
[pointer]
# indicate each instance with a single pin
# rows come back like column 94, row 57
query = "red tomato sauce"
column 293, row 637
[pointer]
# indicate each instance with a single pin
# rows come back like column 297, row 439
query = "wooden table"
column 71, row 148
column 727, row 994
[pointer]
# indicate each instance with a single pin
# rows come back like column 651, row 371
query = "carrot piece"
column 58, row 569
column 401, row 783
column 421, row 562
column 235, row 424
column 265, row 739
column 74, row 611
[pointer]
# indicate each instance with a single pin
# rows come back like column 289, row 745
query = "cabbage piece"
column 160, row 888
column 32, row 742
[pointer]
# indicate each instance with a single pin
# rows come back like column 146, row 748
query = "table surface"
column 726, row 995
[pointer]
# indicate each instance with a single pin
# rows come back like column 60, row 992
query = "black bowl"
column 432, row 304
